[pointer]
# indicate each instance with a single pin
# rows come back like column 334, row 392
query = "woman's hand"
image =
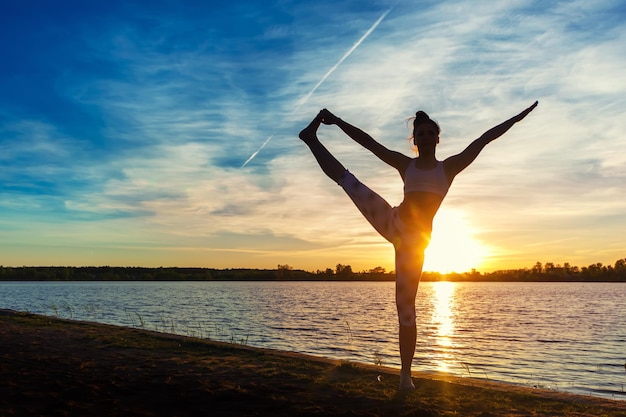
column 523, row 114
column 328, row 118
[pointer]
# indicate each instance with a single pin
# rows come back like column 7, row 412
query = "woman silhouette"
column 408, row 226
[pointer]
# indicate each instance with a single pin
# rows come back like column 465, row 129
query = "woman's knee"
column 406, row 316
column 405, row 304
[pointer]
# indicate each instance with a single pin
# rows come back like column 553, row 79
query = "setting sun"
column 453, row 247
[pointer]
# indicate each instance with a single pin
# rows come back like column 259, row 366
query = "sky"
column 164, row 133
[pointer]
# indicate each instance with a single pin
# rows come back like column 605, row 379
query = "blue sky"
column 125, row 127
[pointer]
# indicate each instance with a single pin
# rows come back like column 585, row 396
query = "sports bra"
column 426, row 180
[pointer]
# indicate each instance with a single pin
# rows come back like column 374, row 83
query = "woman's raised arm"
column 393, row 158
column 457, row 163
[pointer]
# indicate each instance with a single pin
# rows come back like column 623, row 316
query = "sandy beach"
column 55, row 367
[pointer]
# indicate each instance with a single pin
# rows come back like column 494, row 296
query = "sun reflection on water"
column 443, row 321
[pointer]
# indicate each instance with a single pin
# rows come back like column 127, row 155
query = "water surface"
column 563, row 336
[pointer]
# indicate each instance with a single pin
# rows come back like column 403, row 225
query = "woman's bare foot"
column 309, row 133
column 406, row 382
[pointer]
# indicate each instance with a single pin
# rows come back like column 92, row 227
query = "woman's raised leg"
column 329, row 164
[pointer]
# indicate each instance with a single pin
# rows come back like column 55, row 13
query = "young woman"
column 408, row 226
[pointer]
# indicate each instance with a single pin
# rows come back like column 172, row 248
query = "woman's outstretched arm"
column 393, row 158
column 458, row 163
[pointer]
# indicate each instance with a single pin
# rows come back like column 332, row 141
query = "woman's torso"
column 424, row 192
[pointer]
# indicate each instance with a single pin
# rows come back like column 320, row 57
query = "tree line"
column 548, row 272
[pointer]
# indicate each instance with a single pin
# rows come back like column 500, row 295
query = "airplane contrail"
column 321, row 81
column 343, row 58
column 258, row 150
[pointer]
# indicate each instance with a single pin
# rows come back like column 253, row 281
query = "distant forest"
column 548, row 272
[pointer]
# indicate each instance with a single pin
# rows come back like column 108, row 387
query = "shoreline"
column 53, row 366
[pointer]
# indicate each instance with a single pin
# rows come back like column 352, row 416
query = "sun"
column 453, row 247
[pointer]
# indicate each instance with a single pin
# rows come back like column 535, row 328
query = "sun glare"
column 442, row 320
column 453, row 247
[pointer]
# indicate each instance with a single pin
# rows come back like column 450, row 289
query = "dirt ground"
column 53, row 367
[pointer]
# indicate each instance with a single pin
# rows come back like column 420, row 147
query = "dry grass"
column 58, row 367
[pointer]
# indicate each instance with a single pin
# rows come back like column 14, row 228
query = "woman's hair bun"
column 421, row 116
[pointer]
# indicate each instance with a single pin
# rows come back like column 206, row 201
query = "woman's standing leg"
column 409, row 262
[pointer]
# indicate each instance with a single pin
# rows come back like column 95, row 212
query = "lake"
column 567, row 337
